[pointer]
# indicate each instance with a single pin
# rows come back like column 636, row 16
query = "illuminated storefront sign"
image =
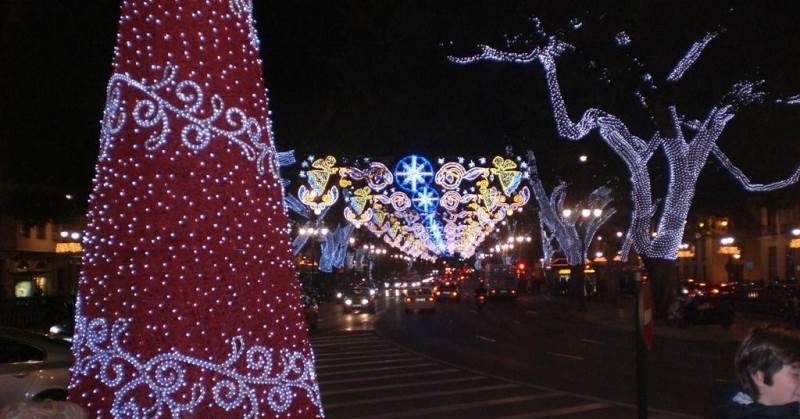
column 685, row 254
column 69, row 247
column 729, row 250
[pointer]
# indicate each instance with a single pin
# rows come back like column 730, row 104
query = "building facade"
column 38, row 260
column 779, row 243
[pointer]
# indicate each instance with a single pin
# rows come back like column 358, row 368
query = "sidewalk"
column 620, row 317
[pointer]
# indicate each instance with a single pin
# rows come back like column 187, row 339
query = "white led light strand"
column 691, row 56
column 244, row 9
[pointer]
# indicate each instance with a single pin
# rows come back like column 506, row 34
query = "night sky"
column 359, row 78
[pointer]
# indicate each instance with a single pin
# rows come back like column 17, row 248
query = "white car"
column 419, row 299
column 32, row 367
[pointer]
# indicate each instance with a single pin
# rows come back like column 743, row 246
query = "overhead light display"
column 421, row 209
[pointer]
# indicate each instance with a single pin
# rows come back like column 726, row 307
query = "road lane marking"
column 389, row 376
column 531, row 312
column 374, row 362
column 592, row 341
column 559, row 354
column 328, row 355
column 342, row 334
column 421, row 395
column 364, row 344
column 388, row 354
column 346, row 338
column 560, row 412
column 462, row 406
column 397, row 367
column 464, row 369
column 402, row 385
column 485, row 338
column 343, row 344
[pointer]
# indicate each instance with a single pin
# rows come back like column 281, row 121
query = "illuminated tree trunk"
column 573, row 233
column 188, row 304
column 664, row 283
column 577, row 279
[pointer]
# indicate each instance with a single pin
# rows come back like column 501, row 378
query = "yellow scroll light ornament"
column 505, row 170
column 320, row 174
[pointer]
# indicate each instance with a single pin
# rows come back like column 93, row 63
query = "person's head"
column 768, row 364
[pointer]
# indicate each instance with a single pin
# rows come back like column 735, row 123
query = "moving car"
column 32, row 367
column 419, row 299
column 447, row 291
column 359, row 299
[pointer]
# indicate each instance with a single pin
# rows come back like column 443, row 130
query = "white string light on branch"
column 685, row 157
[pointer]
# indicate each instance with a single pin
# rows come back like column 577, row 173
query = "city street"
column 527, row 358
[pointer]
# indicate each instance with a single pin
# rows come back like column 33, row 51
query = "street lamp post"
column 316, row 233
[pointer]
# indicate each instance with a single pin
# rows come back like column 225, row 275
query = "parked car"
column 418, row 299
column 700, row 303
column 780, row 299
column 359, row 299
column 32, row 367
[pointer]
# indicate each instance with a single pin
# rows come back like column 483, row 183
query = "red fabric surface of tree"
column 188, row 303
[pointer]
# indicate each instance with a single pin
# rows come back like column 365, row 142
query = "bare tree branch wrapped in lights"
column 572, row 230
column 685, row 157
column 334, row 247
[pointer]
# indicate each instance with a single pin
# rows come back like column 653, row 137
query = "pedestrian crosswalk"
column 364, row 376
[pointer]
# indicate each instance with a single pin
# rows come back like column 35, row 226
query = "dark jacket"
column 740, row 407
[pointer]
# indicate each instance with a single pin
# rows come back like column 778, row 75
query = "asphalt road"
column 510, row 359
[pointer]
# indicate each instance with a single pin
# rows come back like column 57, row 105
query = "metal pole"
column 641, row 359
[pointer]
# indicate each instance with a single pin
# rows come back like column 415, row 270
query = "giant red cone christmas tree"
column 188, row 305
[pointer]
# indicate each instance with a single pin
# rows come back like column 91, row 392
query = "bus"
column 502, row 281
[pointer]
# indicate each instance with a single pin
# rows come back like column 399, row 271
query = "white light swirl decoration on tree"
column 239, row 380
column 155, row 109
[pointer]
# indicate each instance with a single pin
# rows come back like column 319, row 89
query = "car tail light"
column 513, row 291
column 714, row 291
column 408, row 300
column 438, row 293
column 493, row 291
column 455, row 293
column 430, row 298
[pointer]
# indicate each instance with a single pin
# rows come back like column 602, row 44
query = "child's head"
column 768, row 364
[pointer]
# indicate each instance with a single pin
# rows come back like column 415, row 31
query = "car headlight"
column 338, row 295
column 364, row 301
column 371, row 292
column 348, row 301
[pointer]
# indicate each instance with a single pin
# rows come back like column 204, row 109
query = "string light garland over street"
column 433, row 211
